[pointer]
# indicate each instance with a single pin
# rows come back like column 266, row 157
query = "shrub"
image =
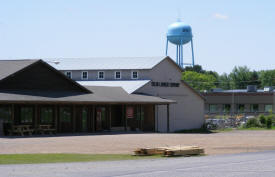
column 269, row 122
column 253, row 122
column 262, row 119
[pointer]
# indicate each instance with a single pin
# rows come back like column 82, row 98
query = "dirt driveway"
column 215, row 143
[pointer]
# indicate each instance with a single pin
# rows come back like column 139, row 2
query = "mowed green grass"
column 257, row 128
column 58, row 158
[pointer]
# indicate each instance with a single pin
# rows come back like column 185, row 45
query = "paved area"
column 259, row 164
column 216, row 143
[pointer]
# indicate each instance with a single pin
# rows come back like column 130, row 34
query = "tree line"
column 238, row 78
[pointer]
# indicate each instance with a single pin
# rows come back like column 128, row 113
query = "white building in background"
column 156, row 76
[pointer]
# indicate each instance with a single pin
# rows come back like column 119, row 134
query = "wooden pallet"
column 170, row 151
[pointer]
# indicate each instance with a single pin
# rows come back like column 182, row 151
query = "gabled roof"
column 129, row 86
column 101, row 63
column 9, row 67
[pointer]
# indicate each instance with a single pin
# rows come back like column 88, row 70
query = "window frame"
column 226, row 108
column 24, row 119
column 269, row 109
column 239, row 110
column 216, row 108
column 132, row 74
column 252, row 107
column 119, row 75
column 82, row 78
column 98, row 74
column 46, row 120
column 71, row 73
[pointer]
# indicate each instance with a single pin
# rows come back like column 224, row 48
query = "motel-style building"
column 250, row 101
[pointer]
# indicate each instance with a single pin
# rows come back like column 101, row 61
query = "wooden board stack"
column 170, row 151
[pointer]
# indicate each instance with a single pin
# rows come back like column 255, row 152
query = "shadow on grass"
column 198, row 131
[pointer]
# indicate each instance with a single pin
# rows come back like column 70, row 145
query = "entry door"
column 100, row 118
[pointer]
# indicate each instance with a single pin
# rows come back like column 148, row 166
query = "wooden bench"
column 21, row 129
column 46, row 129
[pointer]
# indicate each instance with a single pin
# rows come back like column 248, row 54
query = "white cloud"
column 220, row 16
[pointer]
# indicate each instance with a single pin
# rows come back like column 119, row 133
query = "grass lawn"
column 56, row 158
column 257, row 128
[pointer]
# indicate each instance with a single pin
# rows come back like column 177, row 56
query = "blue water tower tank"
column 179, row 33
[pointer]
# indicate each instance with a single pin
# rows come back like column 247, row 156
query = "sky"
column 226, row 33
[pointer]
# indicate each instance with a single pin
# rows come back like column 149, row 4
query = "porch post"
column 168, row 119
column 74, row 118
column 110, row 117
column 93, row 118
column 124, row 117
column 12, row 114
column 140, row 118
column 154, row 111
column 35, row 116
column 55, row 118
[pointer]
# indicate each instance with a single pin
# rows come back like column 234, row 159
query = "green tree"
column 240, row 76
column 224, row 82
column 199, row 81
column 267, row 78
column 196, row 68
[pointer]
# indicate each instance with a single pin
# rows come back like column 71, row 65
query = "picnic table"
column 46, row 129
column 21, row 129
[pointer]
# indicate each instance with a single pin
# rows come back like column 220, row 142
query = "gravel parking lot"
column 215, row 143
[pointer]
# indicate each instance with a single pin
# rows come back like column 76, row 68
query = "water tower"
column 180, row 34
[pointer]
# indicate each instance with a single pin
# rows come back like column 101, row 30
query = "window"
column 46, row 115
column 174, row 84
column 68, row 74
column 117, row 75
column 26, row 115
column 254, row 108
column 5, row 114
column 240, row 107
column 134, row 75
column 65, row 114
column 226, row 108
column 268, row 107
column 100, row 75
column 84, row 75
column 213, row 108
column 164, row 84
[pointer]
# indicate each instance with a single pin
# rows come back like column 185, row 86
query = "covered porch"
column 41, row 118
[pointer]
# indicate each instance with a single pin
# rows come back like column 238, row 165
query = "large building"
column 154, row 76
column 250, row 101
column 36, row 98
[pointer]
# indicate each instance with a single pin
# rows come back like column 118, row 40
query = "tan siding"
column 188, row 113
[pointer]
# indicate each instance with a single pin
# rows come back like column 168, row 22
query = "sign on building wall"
column 130, row 112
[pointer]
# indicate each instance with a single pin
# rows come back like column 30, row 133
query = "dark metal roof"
column 106, row 95
column 9, row 67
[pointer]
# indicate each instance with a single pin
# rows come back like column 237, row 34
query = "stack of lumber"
column 170, row 151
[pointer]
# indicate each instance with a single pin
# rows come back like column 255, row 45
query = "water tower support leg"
column 166, row 47
column 181, row 55
column 177, row 55
column 193, row 59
